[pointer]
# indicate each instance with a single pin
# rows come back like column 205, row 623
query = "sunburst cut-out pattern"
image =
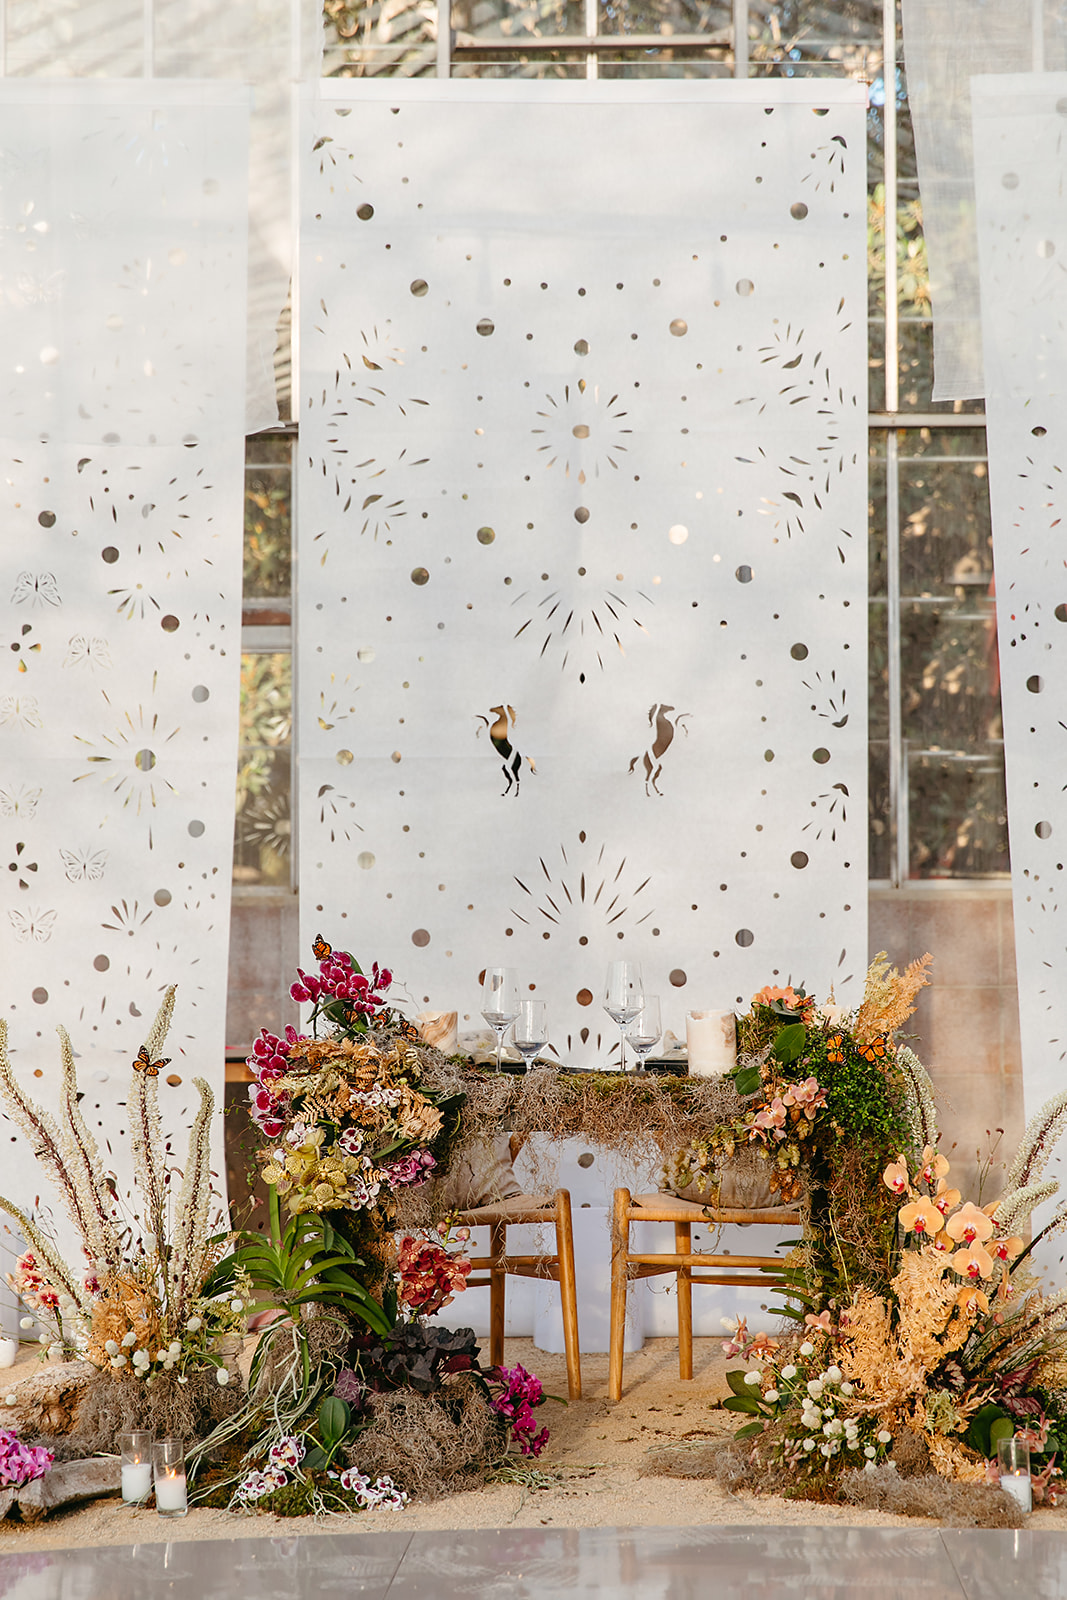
column 584, row 626
column 581, row 882
column 580, row 429
column 130, row 759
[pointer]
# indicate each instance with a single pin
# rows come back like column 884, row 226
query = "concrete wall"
column 966, row 1028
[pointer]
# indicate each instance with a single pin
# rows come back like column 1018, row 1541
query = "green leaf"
column 335, row 1419
column 736, row 1402
column 314, row 1460
column 747, row 1080
column 736, row 1380
column 749, row 1430
column 979, row 1434
column 790, row 1043
column 1000, row 1428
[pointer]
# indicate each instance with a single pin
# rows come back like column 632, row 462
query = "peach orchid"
column 921, row 1216
column 895, row 1176
column 973, row 1262
column 970, row 1224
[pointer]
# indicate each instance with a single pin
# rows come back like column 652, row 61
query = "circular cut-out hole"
column 799, row 652
column 365, row 212
column 1010, row 180
column 580, row 431
column 170, row 624
column 744, row 937
column 201, row 692
column 101, row 963
column 419, row 576
column 1061, row 613
column 798, row 210
column 586, row 1158
column 47, row 519
column 162, row 897
column 798, row 859
column 743, row 574
column 344, row 758
column 1039, row 433
column 744, row 287
column 419, row 287
column 678, row 979
column 40, row 996
column 420, row 937
column 365, row 654
column 768, row 755
column 820, row 756
column 396, row 756
column 584, row 997
column 144, row 760
column 109, row 554
column 196, row 828
column 485, row 326
column 679, row 327
column 486, row 535
column 365, row 859
column 582, row 514
column 678, row 534
column 174, row 1080
column 1035, row 684
column 581, row 347
column 1043, row 829
column 1046, row 248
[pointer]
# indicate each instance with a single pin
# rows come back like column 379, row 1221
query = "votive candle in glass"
column 1013, row 1458
column 168, row 1458
column 135, row 1450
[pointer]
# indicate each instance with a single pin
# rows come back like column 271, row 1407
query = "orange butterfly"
column 320, row 949
column 874, row 1050
column 400, row 1025
column 835, row 1048
column 145, row 1064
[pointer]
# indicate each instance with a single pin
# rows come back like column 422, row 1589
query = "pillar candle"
column 170, row 1493
column 136, row 1481
column 711, row 1040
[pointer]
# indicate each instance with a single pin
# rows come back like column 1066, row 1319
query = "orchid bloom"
column 921, row 1216
column 822, row 1321
column 771, row 1118
column 970, row 1224
column 944, row 1241
column 974, row 1262
column 895, row 1176
column 934, row 1165
column 971, row 1297
column 945, row 1199
column 1005, row 1249
column 808, row 1095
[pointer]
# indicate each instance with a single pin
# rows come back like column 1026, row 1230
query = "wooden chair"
column 712, row 1268
column 559, row 1267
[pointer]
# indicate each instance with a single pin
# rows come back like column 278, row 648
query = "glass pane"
column 268, row 536
column 846, row 34
column 262, row 832
column 517, row 19
column 397, row 37
column 946, row 537
column 950, row 672
column 951, row 441
column 878, row 671
column 876, row 512
column 559, row 64
column 879, row 849
column 664, row 64
column 670, row 16
column 958, row 812
column 876, row 364
column 917, row 372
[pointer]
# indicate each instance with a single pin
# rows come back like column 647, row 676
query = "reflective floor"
column 543, row 1564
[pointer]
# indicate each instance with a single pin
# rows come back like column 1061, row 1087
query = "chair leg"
column 497, row 1279
column 568, row 1292
column 620, row 1251
column 683, row 1246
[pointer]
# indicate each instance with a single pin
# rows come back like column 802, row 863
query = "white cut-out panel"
column 122, row 270
column 583, row 559
column 1020, row 170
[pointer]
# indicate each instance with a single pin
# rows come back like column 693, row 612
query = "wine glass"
column 531, row 1030
column 622, row 997
column 644, row 1029
column 500, row 1002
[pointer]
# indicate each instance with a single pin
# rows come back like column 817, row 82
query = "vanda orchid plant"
column 137, row 1303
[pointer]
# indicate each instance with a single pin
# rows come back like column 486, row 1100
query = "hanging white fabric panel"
column 582, row 638
column 948, row 44
column 122, row 316
column 1020, row 180
column 271, row 44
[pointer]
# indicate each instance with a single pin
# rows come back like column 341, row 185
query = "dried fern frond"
column 889, row 996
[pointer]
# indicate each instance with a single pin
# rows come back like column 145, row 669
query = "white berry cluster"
column 819, row 1406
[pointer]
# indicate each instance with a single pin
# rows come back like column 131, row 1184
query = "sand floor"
column 597, row 1449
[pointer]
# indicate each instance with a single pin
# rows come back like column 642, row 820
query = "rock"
column 47, row 1401
column 7, row 1500
column 71, row 1480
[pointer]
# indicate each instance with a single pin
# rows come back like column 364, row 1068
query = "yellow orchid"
column 970, row 1224
column 895, row 1176
column 971, row 1297
column 1006, row 1249
column 933, row 1165
column 945, row 1199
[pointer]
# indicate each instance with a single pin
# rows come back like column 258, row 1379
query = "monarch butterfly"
column 320, row 949
column 873, row 1051
column 145, row 1064
column 400, row 1025
column 835, row 1050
